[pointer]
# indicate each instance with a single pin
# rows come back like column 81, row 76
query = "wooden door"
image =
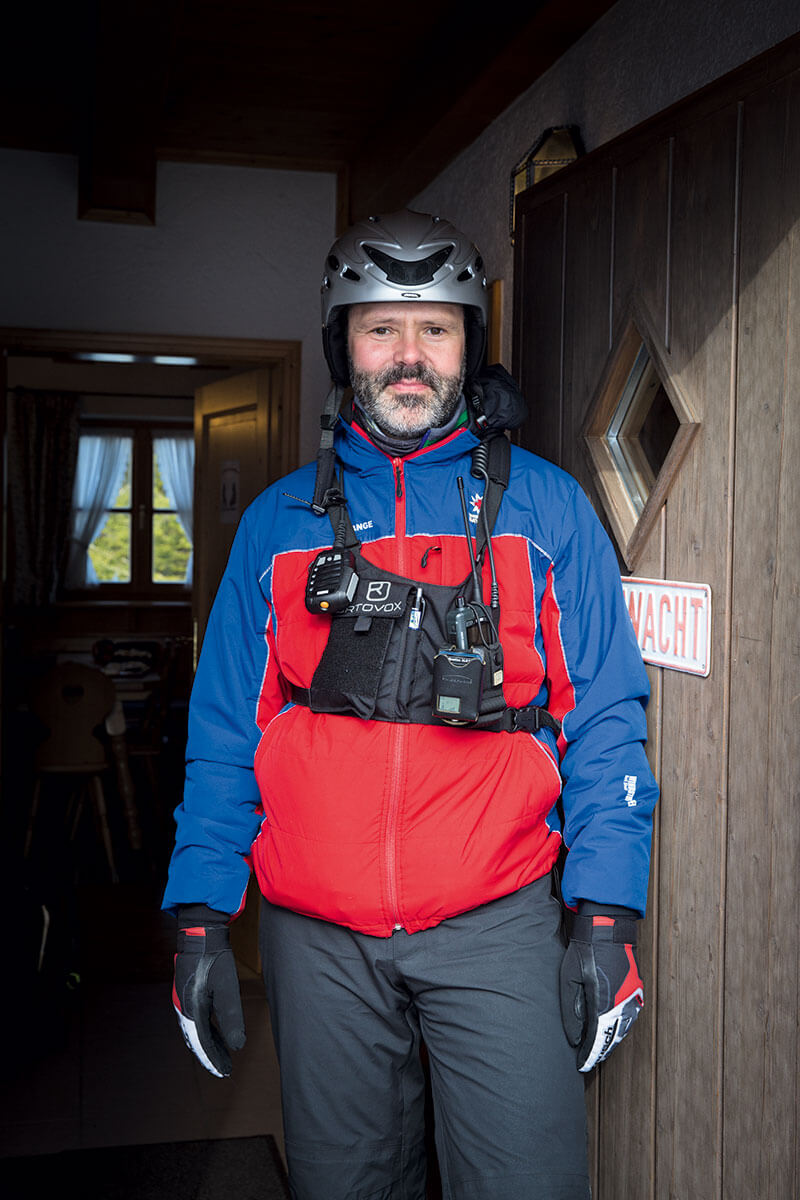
column 688, row 229
column 243, row 442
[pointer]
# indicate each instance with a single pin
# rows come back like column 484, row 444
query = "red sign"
column 672, row 622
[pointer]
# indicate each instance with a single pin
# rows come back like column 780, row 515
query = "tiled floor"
column 120, row 1073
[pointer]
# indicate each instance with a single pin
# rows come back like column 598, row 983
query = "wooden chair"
column 146, row 734
column 72, row 701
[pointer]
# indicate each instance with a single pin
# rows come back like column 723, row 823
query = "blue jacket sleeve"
column 609, row 791
column 219, row 817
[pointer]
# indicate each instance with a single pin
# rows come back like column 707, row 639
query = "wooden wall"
column 693, row 221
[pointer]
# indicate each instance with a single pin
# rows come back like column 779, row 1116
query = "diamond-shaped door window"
column 637, row 433
column 642, row 429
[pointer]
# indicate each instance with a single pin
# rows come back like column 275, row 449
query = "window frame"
column 613, row 474
column 141, row 585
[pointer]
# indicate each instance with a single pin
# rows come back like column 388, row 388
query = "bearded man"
column 420, row 736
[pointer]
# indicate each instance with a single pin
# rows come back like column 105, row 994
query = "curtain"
column 175, row 455
column 42, row 449
column 102, row 461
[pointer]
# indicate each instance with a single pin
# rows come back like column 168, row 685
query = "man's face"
column 407, row 363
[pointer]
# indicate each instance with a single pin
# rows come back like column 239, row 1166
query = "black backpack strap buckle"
column 532, row 719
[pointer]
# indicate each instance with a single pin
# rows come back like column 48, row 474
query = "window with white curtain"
column 132, row 510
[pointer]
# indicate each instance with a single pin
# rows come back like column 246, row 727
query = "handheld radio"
column 332, row 581
column 332, row 578
column 461, row 671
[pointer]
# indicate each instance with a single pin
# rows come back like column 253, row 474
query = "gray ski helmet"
column 404, row 255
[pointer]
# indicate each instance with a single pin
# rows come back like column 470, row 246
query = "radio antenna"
column 476, row 579
column 481, row 472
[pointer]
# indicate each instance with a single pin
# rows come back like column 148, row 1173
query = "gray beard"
column 412, row 415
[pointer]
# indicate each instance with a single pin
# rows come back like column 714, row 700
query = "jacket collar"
column 356, row 449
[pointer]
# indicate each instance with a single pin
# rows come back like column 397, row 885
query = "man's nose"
column 408, row 348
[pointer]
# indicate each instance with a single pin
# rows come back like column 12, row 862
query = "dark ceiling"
column 385, row 97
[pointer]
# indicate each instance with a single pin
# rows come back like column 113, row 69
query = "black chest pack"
column 404, row 650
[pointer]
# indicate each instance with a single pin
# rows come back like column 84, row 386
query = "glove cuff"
column 208, row 940
column 201, row 914
column 605, row 927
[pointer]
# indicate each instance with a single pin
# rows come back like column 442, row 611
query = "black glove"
column 601, row 990
column 206, row 989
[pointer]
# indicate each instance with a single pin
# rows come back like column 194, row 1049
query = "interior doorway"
column 152, row 381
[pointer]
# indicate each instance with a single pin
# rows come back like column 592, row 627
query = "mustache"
column 418, row 372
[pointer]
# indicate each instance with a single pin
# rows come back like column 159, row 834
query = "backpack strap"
column 339, row 515
column 326, row 455
column 491, row 460
column 528, row 720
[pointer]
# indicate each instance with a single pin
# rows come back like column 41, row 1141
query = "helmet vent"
column 333, row 262
column 409, row 273
column 349, row 273
column 471, row 272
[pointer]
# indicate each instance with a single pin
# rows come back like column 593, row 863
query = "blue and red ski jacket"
column 378, row 825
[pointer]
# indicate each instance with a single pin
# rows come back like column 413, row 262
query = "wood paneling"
column 643, row 191
column 761, row 985
column 694, row 814
column 694, row 220
column 538, row 311
column 587, row 290
column 627, row 1085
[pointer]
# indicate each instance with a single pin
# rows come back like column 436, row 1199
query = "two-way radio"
column 462, row 670
column 332, row 579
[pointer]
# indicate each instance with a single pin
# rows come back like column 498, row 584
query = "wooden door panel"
column 693, row 804
column 538, row 300
column 625, row 1154
column 763, row 860
column 780, row 750
column 232, row 423
column 626, row 1159
column 701, row 227
column 587, row 307
column 642, row 195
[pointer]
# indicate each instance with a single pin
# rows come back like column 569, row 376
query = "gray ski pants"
column 348, row 1013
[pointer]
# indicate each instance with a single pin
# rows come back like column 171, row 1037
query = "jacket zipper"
column 390, row 858
column 400, row 515
column 398, row 477
column 399, row 731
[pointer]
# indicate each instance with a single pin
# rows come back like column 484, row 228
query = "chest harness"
column 404, row 650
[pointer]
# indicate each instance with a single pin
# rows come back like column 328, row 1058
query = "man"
column 410, row 651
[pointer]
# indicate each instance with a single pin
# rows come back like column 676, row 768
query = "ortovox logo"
column 381, row 599
column 378, row 592
column 475, row 500
column 629, row 783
